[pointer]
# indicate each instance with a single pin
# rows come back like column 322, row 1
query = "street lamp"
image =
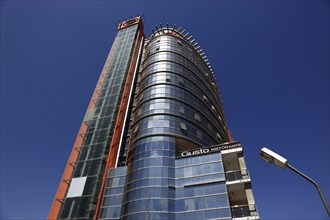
column 273, row 158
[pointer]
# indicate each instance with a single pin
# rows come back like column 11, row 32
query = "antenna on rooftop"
column 173, row 28
column 161, row 27
column 182, row 31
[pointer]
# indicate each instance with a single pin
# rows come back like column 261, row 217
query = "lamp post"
column 273, row 158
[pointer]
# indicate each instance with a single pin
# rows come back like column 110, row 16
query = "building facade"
column 154, row 143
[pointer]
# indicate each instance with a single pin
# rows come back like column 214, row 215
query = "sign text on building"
column 211, row 149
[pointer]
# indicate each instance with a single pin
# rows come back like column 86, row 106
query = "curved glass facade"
column 176, row 87
column 177, row 108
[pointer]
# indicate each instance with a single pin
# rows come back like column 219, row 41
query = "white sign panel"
column 76, row 187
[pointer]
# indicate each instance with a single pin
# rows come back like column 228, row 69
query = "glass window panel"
column 189, row 191
column 190, row 215
column 103, row 213
column 195, row 160
column 198, row 190
column 179, row 173
column 179, row 162
column 210, row 201
column 180, row 205
column 207, row 168
column 200, row 203
column 221, row 200
column 179, row 192
column 189, row 181
column 189, row 204
column 211, row 214
column 180, row 216
column 211, row 188
column 188, row 171
column 112, row 191
column 215, row 157
column 200, row 215
column 218, row 177
column 221, row 188
column 106, row 201
column 219, row 167
column 199, row 180
column 223, row 213
column 110, row 212
column 197, row 170
column 122, row 181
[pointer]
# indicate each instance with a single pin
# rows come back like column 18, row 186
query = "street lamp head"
column 273, row 158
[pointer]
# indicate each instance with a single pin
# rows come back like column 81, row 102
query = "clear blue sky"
column 271, row 59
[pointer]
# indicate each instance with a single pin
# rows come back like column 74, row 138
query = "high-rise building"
column 154, row 143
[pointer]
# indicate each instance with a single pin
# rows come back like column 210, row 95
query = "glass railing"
column 237, row 175
column 239, row 211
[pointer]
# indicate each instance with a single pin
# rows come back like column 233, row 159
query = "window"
column 141, row 97
column 180, row 205
column 204, row 97
column 111, row 212
column 136, row 129
column 180, row 43
column 183, row 126
column 189, row 204
column 218, row 136
column 197, row 117
column 150, row 124
column 181, row 82
column 168, row 80
column 115, row 182
column 199, row 135
column 157, row 49
column 188, row 172
column 166, row 123
column 213, row 109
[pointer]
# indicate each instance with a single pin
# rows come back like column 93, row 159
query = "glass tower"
column 154, row 143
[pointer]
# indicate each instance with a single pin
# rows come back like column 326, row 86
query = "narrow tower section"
column 97, row 145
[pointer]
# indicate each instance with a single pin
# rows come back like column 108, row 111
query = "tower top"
column 130, row 22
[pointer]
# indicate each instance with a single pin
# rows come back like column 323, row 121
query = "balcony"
column 244, row 211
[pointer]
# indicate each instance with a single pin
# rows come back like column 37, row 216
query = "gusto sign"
column 212, row 149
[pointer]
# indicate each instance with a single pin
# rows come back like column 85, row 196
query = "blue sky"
column 271, row 59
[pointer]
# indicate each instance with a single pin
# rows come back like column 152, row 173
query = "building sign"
column 207, row 150
column 129, row 23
